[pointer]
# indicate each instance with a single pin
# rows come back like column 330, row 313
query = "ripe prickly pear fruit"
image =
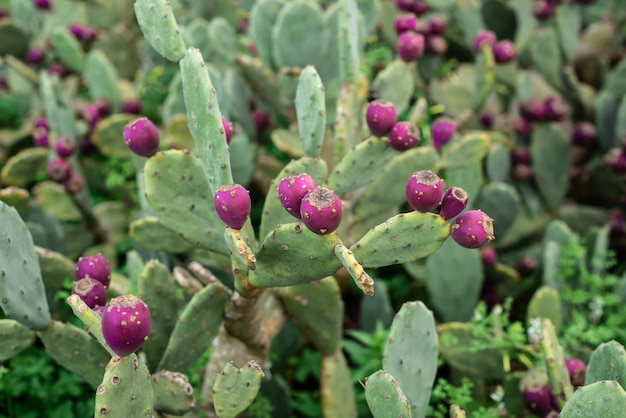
column 142, row 137
column 91, row 291
column 59, row 170
column 522, row 127
column 35, row 56
column 232, row 204
column 504, row 52
column 538, row 398
column 41, row 137
column 484, row 36
column 132, row 106
column 292, row 190
column 437, row 24
column 585, row 134
column 443, row 131
column 228, row 129
column 533, row 110
column 126, row 324
column 96, row 267
column 410, row 46
column 489, row 257
column 405, row 22
column 403, row 136
column 454, row 202
column 42, row 123
column 542, row 9
column 577, row 370
column 65, row 147
column 424, row 191
column 436, row 45
column 472, row 229
column 321, row 210
column 526, row 265
column 42, row 4
column 75, row 184
column 380, row 116
column 556, row 108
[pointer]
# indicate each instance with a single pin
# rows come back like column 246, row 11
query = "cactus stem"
column 190, row 284
column 205, row 275
column 356, row 270
column 238, row 248
column 89, row 318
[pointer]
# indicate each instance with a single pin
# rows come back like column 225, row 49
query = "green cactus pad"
column 236, row 388
column 338, row 398
column 555, row 363
column 384, row 396
column 360, row 165
column 173, row 394
column 243, row 154
column 568, row 23
column 15, row 41
column 150, row 233
column 52, row 197
column 291, row 254
column 455, row 93
column 157, row 288
column 470, row 149
column 75, row 350
column 236, row 102
column 545, row 54
column 349, row 45
column 498, row 163
column 262, row 81
column 55, row 268
column 485, row 76
column 101, row 77
column 347, row 121
column 22, row 169
column 14, row 338
column 195, row 328
column 605, row 398
column 551, row 154
column 607, row 362
column 402, row 238
column 288, row 142
column 605, row 116
column 395, row 84
column 470, row 178
column 68, row 49
column 126, row 390
column 317, row 310
column 178, row 193
column 205, row 120
column 273, row 212
column 56, row 104
column 311, row 111
column 159, row 27
column 502, row 202
column 108, row 136
column 262, row 18
column 17, row 197
column 410, row 354
column 223, row 40
column 22, row 292
column 545, row 303
column 376, row 309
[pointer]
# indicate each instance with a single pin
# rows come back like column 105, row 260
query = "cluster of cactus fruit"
column 374, row 173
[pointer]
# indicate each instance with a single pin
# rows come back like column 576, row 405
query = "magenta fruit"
column 142, row 137
column 437, row 24
column 521, row 154
column 232, row 204
column 75, row 184
column 410, row 46
column 380, row 116
column 96, row 267
column 42, row 123
column 443, row 131
column 522, row 172
column 538, row 398
column 487, row 120
column 41, row 137
column 292, row 190
column 321, row 211
column 65, row 147
column 405, row 5
column 436, row 45
column 132, row 106
column 42, row 4
column 403, row 136
column 542, row 9
column 405, row 22
column 526, row 265
column 59, row 170
column 91, row 291
column 584, row 134
column 3, row 12
column 504, row 52
column 419, row 7
column 454, row 202
column 522, row 127
column 261, row 121
column 615, row 160
column 486, row 37
column 56, row 68
column 77, row 30
column 228, row 129
column 555, row 109
column 424, row 191
column 532, row 110
column 126, row 323
column 577, row 370
column 489, row 256
column 35, row 56
column 472, row 229
column 103, row 106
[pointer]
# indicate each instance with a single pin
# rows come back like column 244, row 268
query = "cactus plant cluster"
column 218, row 187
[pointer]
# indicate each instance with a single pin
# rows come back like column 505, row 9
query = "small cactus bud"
column 486, row 37
column 410, row 46
column 504, row 52
column 577, row 370
column 454, row 202
column 59, row 170
column 42, row 4
column 126, row 324
column 555, row 109
column 228, row 129
column 65, row 147
column 472, row 229
column 538, row 398
column 585, row 134
column 42, row 123
column 142, row 137
column 380, row 116
column 321, row 211
column 96, row 267
column 35, row 56
column 489, row 256
column 443, row 131
column 436, row 45
column 526, row 265
column 405, row 22
column 132, row 106
column 292, row 190
column 232, row 203
column 437, row 24
column 403, row 136
column 424, row 191
column 616, row 223
column 41, row 137
column 91, row 291
column 75, row 184
column 532, row 110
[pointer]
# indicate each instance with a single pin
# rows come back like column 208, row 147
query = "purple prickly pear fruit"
column 437, row 24
column 96, row 267
column 443, row 131
column 472, row 229
column 77, row 30
column 132, row 106
column 532, row 110
column 486, row 119
column 56, row 68
column 41, row 137
column 454, row 202
column 420, row 7
column 91, row 34
column 142, row 137
column 486, row 37
column 405, row 22
column 555, row 2
column 436, row 45
column 616, row 222
column 3, row 13
column 522, row 127
column 261, row 120
column 538, row 398
column 35, row 56
column 522, row 172
column 410, row 46
column 422, row 27
column 91, row 291
column 556, row 109
column 489, row 256
column 520, row 154
column 42, row 4
column 4, row 83
column 542, row 9
column 577, row 370
column 65, row 147
column 380, row 116
column 59, row 170
column 292, row 190
column 504, row 52
column 75, row 184
column 403, row 136
column 42, row 123
column 526, row 265
column 584, row 134
column 232, row 203
column 585, row 2
column 321, row 211
column 228, row 129
column 615, row 160
column 405, row 5
column 126, row 324
column 91, row 115
column 103, row 106
column 424, row 191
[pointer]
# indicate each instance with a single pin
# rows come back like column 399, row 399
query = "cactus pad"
column 172, row 392
column 384, row 396
column 551, row 153
column 14, row 337
column 22, row 169
column 545, row 303
column 159, row 27
column 466, row 151
column 338, row 399
column 311, row 111
column 150, row 233
column 607, row 362
column 605, row 398
column 108, row 138
column 236, row 388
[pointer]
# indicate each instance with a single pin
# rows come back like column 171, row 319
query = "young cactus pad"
column 384, row 396
column 236, row 388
